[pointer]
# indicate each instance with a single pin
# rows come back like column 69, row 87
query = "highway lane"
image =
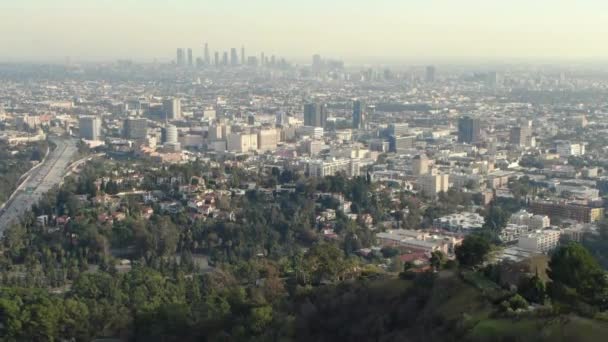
column 41, row 180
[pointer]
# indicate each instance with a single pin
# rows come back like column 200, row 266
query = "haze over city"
column 303, row 170
column 359, row 31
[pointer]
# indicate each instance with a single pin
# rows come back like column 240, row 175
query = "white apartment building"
column 540, row 241
column 322, row 168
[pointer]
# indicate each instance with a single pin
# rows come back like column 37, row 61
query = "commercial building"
column 401, row 144
column 420, row 165
column 315, row 114
column 172, row 108
column 398, row 129
column 430, row 74
column 268, row 139
column 242, row 142
column 358, row 115
column 90, row 127
column 169, row 134
column 567, row 148
column 135, row 128
column 520, row 136
column 469, row 130
column 433, row 184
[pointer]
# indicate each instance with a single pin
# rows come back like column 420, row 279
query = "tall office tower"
column 206, row 52
column 358, row 115
column 401, row 144
column 181, row 59
column 520, row 136
column 469, row 130
column 135, row 128
column 430, row 74
column 216, row 58
column 252, row 61
column 262, row 60
column 281, row 118
column 243, row 55
column 251, row 120
column 317, row 63
column 420, row 165
column 315, row 114
column 398, row 129
column 234, row 58
column 190, row 57
column 172, row 108
column 225, row 58
column 90, row 127
column 273, row 60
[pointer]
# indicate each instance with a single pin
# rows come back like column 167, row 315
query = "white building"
column 322, row 168
column 567, row 149
column 534, row 222
column 242, row 142
column 310, row 131
column 540, row 241
column 460, row 222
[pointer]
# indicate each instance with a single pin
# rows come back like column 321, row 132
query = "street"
column 41, row 180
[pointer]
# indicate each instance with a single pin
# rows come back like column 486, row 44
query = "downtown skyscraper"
column 358, row 115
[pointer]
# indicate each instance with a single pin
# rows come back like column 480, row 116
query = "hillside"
column 446, row 309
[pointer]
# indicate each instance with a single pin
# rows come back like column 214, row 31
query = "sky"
column 354, row 30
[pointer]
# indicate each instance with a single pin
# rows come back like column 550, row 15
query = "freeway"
column 38, row 182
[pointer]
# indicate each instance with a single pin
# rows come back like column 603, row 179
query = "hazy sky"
column 349, row 29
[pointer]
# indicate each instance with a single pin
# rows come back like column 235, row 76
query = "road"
column 40, row 181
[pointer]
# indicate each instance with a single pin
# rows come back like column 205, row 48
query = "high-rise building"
column 469, row 130
column 225, row 58
column 430, row 74
column 268, row 139
column 401, row 144
column 398, row 129
column 216, row 58
column 520, row 136
column 420, row 165
column 181, row 59
column 243, row 55
column 169, row 134
column 317, row 63
column 90, row 127
column 206, row 52
column 358, row 115
column 135, row 128
column 234, row 58
column 172, row 108
column 190, row 60
column 315, row 114
column 433, row 184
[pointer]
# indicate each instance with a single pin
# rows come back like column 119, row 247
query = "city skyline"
column 387, row 30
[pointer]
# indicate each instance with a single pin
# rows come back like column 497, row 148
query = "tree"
column 437, row 260
column 574, row 267
column 533, row 289
column 473, row 250
column 496, row 218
